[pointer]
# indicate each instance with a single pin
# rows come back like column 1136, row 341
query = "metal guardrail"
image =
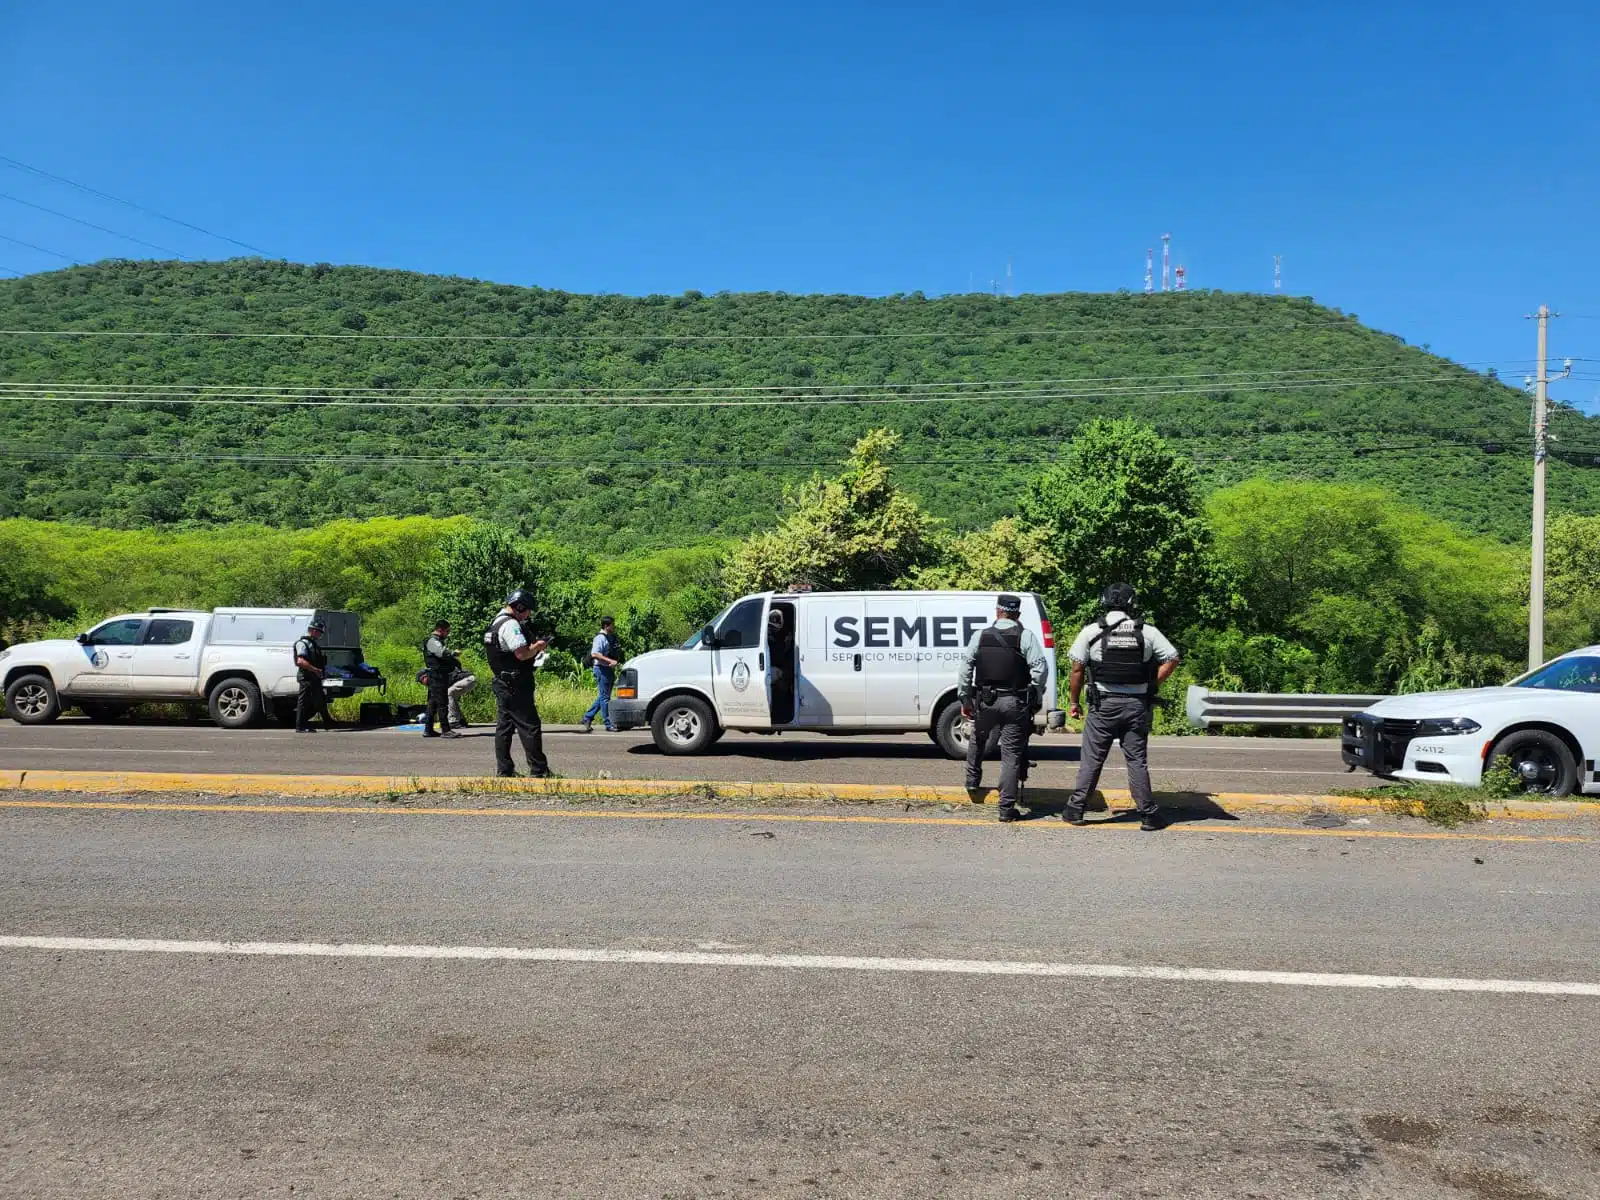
column 1207, row 709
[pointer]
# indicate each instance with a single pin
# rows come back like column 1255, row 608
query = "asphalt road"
column 1204, row 764
column 129, row 1072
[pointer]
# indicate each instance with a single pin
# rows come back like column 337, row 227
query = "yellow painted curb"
column 125, row 782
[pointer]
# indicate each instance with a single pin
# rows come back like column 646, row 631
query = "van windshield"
column 694, row 638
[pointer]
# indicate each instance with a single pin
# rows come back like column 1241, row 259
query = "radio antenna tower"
column 1009, row 290
column 1149, row 270
column 1179, row 273
column 1277, row 272
column 1166, row 262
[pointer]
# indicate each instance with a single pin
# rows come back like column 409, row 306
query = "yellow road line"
column 1041, row 823
column 348, row 786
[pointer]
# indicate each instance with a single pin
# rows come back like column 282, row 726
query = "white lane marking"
column 812, row 962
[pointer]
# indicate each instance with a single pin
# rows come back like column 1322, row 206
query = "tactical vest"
column 314, row 654
column 1001, row 664
column 501, row 661
column 432, row 662
column 1122, row 659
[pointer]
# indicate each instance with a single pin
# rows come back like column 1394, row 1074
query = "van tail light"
column 1049, row 634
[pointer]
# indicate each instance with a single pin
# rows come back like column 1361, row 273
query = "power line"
column 586, row 392
column 83, row 187
column 111, row 396
column 448, row 459
column 90, row 224
column 41, row 249
column 224, row 334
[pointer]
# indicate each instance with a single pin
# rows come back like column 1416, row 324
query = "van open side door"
column 739, row 665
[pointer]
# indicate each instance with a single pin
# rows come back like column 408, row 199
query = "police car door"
column 739, row 666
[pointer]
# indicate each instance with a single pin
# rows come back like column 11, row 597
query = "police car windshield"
column 1577, row 674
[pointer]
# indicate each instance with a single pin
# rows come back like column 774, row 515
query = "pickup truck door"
column 166, row 661
column 107, row 658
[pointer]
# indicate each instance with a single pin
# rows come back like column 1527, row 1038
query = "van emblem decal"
column 739, row 677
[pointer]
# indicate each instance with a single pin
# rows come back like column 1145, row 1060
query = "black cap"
column 1119, row 596
column 1009, row 603
column 521, row 598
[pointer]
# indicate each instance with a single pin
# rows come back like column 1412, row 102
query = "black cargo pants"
column 310, row 701
column 1116, row 718
column 438, row 702
column 518, row 714
column 1011, row 715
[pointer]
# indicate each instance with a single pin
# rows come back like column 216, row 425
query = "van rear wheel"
column 951, row 733
column 683, row 725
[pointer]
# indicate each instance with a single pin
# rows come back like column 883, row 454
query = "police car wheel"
column 32, row 700
column 1541, row 760
column 683, row 725
column 235, row 703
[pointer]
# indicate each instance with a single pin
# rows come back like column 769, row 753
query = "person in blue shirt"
column 603, row 656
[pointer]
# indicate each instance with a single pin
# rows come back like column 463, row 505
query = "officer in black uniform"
column 441, row 663
column 311, row 663
column 511, row 655
column 1126, row 659
column 1003, row 669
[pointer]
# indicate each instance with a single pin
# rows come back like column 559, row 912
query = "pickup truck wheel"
column 683, row 725
column 235, row 703
column 32, row 700
column 100, row 711
column 1541, row 759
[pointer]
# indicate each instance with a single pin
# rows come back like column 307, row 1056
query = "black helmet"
column 1119, row 597
column 318, row 624
column 521, row 598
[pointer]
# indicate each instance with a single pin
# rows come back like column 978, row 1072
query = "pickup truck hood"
column 49, row 648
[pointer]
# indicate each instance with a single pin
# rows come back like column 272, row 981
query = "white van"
column 829, row 662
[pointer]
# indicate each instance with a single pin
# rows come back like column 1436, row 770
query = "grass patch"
column 1444, row 804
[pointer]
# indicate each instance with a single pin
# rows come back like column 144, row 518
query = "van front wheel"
column 683, row 725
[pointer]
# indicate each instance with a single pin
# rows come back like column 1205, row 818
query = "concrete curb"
column 1218, row 804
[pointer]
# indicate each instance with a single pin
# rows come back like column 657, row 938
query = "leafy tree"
column 857, row 531
column 1572, row 583
column 469, row 579
column 1122, row 505
column 1380, row 592
column 1005, row 556
column 27, row 597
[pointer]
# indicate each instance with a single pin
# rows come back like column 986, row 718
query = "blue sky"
column 1433, row 168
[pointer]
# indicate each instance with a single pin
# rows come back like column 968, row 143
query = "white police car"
column 1546, row 723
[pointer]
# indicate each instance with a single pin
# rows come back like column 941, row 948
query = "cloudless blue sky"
column 1434, row 168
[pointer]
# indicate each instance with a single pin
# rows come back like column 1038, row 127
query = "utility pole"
column 1541, row 425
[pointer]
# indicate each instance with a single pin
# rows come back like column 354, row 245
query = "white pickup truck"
column 238, row 661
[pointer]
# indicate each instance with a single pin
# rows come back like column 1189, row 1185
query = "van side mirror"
column 708, row 638
column 83, row 639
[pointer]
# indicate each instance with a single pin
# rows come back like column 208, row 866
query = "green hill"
column 597, row 418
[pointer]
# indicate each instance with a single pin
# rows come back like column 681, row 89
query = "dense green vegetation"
column 1266, row 585
column 1241, row 385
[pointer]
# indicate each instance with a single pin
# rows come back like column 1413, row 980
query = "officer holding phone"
column 511, row 658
